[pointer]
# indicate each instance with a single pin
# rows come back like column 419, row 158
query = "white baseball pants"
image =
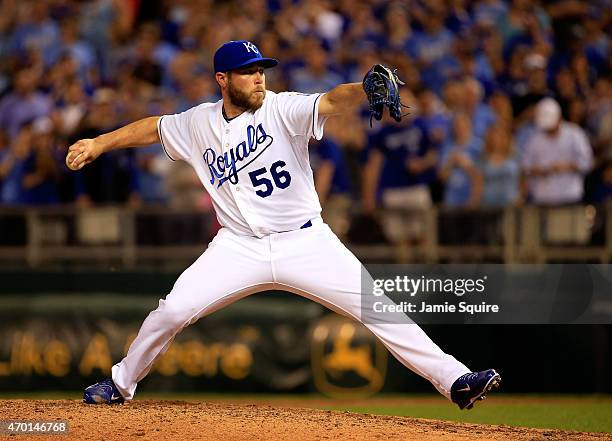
column 310, row 262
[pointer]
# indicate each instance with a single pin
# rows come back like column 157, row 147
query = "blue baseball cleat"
column 474, row 386
column 104, row 392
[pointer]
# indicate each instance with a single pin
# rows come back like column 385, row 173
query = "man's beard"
column 249, row 103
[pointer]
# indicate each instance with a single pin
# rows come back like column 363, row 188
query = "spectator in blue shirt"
column 195, row 89
column 466, row 60
column 40, row 174
column 154, row 55
column 524, row 24
column 430, row 47
column 453, row 95
column 597, row 43
column 401, row 165
column 13, row 166
column 105, row 25
column 316, row 75
column 458, row 170
column 399, row 159
column 536, row 85
column 71, row 45
column 24, row 104
column 430, row 117
column 502, row 108
column 499, row 169
column 330, row 173
column 332, row 183
column 482, row 117
column 397, row 27
column 489, row 11
column 116, row 178
column 152, row 165
column 36, row 32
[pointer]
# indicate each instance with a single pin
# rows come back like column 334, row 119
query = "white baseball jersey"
column 255, row 167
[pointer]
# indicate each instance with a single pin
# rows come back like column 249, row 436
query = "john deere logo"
column 346, row 359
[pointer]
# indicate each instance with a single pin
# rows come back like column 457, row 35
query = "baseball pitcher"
column 250, row 151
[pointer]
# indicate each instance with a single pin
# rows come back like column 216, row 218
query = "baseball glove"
column 381, row 85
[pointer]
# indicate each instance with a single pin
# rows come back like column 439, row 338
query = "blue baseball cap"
column 236, row 54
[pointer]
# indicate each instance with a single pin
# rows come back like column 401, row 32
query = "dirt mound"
column 180, row 420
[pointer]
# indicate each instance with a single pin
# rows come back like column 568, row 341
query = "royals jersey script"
column 255, row 167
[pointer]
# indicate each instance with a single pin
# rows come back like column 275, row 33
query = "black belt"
column 306, row 225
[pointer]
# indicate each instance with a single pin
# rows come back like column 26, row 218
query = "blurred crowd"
column 510, row 101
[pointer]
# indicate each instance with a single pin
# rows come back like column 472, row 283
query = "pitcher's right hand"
column 82, row 152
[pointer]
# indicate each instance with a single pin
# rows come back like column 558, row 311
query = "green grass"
column 583, row 414
column 588, row 413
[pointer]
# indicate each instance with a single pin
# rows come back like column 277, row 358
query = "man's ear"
column 221, row 79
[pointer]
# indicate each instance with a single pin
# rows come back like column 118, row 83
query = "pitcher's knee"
column 173, row 315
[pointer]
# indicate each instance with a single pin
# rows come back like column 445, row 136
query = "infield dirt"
column 180, row 420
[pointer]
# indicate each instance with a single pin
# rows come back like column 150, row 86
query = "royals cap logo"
column 241, row 53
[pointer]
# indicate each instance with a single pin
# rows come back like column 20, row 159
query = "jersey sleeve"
column 175, row 135
column 299, row 113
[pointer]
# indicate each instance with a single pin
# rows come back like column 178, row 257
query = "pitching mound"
column 169, row 420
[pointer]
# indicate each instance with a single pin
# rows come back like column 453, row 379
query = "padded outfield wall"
column 63, row 330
